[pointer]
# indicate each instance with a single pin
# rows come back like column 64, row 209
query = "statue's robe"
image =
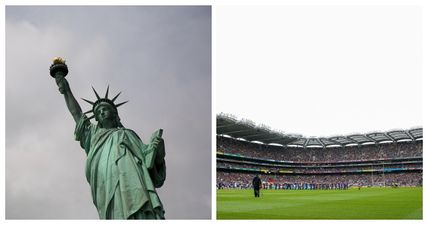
column 122, row 185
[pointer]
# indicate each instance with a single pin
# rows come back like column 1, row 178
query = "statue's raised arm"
column 59, row 70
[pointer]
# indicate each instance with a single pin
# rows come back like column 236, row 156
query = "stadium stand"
column 289, row 161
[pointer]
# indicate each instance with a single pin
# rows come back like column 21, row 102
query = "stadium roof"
column 248, row 130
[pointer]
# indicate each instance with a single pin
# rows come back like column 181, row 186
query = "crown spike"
column 107, row 91
column 116, row 97
column 117, row 106
column 88, row 101
column 96, row 94
column 90, row 111
column 93, row 116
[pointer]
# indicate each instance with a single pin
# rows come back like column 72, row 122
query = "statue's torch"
column 59, row 70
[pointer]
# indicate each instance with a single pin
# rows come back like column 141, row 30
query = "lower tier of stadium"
column 276, row 181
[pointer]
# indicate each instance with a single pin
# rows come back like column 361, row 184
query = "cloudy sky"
column 321, row 70
column 159, row 57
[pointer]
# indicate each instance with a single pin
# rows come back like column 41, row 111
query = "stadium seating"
column 381, row 164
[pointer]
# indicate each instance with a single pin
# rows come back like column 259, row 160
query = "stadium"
column 375, row 175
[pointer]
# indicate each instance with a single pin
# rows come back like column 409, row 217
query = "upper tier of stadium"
column 246, row 129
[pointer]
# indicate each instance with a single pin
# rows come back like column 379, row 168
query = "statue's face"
column 105, row 112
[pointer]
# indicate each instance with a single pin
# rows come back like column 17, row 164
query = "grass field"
column 367, row 203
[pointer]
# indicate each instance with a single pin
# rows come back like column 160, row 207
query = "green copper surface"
column 122, row 171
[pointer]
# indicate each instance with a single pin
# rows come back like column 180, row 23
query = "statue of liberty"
column 122, row 171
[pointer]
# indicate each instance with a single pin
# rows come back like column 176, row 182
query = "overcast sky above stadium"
column 321, row 70
column 159, row 57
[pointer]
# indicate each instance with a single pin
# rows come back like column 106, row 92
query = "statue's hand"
column 62, row 84
column 156, row 142
column 158, row 146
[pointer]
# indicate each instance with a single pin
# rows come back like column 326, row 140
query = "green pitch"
column 367, row 203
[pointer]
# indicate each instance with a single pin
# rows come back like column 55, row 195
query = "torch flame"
column 58, row 60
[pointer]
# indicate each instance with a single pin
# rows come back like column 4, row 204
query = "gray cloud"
column 159, row 57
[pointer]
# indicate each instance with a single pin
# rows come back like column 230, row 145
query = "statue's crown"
column 103, row 100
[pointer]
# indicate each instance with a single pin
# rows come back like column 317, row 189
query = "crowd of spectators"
column 328, row 154
column 243, row 180
column 323, row 160
column 274, row 168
